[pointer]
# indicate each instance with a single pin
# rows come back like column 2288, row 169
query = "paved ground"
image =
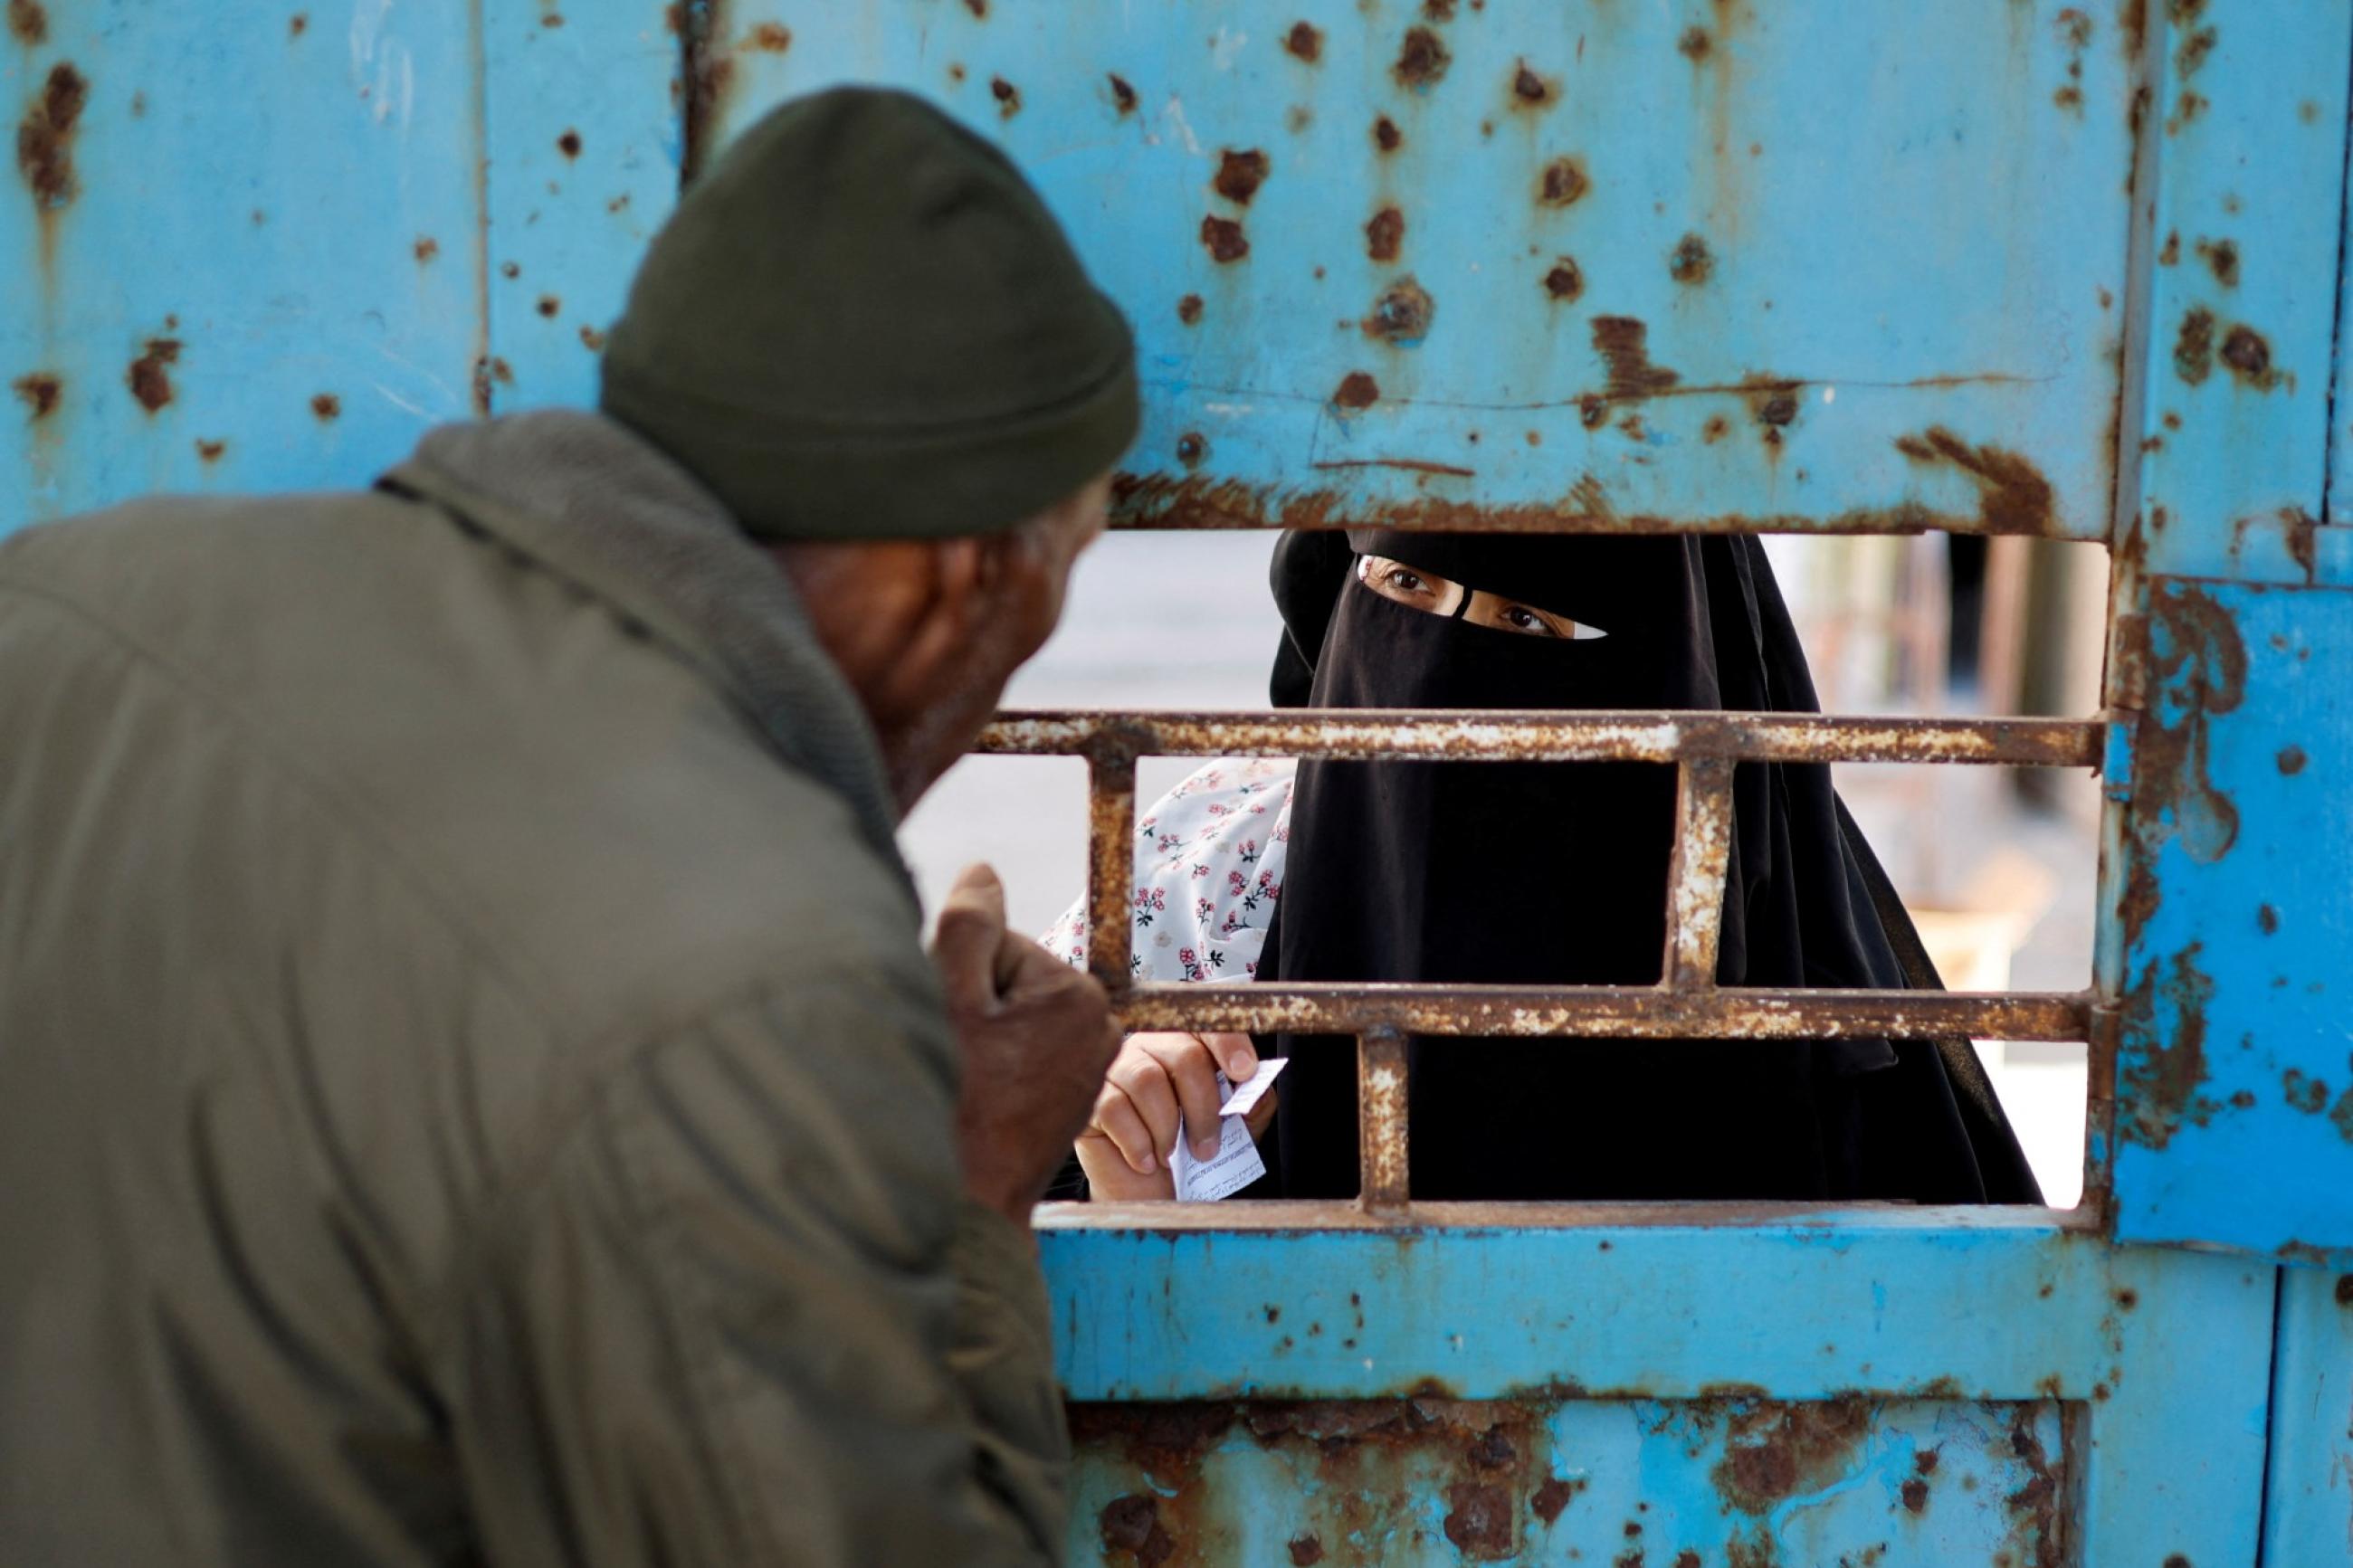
column 1163, row 620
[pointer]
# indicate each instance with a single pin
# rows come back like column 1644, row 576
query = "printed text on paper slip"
column 1236, row 1164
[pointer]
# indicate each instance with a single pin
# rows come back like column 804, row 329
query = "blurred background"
column 1998, row 864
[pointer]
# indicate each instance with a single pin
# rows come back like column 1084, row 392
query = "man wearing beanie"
column 470, row 1088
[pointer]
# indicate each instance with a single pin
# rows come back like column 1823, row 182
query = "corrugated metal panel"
column 585, row 139
column 2234, row 1117
column 2164, row 1357
column 1693, row 264
column 1632, row 1483
column 2308, row 1517
column 243, row 245
column 2247, row 130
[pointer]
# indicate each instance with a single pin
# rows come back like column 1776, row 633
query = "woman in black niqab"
column 1556, row 874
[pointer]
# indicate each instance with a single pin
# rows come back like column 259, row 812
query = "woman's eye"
column 1520, row 618
column 1401, row 578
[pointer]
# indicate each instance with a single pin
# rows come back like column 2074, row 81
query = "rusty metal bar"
column 1502, row 735
column 1696, row 875
column 1162, row 503
column 1381, row 1133
column 1111, row 865
column 1618, row 1013
column 1341, row 1214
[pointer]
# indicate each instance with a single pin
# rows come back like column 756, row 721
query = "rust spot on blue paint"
column 2193, row 346
column 149, row 377
column 45, row 136
column 1562, row 183
column 2162, row 1078
column 1421, row 61
column 1239, row 174
column 1692, row 261
column 1555, row 1495
column 2013, row 495
column 2199, row 666
column 1402, row 315
column 1131, row 1525
column 28, row 24
column 1357, row 390
column 2248, row 353
column 1775, row 1449
column 1623, row 343
column 40, row 392
column 1479, row 1520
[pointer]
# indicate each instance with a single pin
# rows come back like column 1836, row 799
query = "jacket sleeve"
column 743, row 1312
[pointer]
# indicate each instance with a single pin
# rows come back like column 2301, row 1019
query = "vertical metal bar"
column 1111, row 865
column 1695, row 877
column 1381, row 1121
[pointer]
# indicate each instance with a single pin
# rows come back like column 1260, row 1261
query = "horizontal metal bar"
column 1506, row 735
column 1304, row 1215
column 1201, row 503
column 1619, row 1012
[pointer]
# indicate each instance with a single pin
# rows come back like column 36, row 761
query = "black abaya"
column 1556, row 873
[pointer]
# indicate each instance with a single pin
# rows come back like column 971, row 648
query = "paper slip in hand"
column 1236, row 1164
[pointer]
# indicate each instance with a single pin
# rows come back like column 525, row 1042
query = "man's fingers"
column 971, row 933
column 1117, row 1121
column 1260, row 1115
column 1024, row 968
column 1235, row 1055
column 1194, row 1072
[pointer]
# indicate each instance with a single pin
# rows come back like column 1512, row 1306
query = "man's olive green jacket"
column 470, row 1090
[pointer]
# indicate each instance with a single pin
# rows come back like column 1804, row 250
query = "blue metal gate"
column 2002, row 266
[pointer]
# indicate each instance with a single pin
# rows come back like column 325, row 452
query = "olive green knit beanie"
column 863, row 324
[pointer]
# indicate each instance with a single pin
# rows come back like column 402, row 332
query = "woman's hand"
column 1156, row 1079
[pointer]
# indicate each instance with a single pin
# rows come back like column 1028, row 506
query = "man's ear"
column 957, row 583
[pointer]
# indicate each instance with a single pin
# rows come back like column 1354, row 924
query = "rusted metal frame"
column 1605, row 1012
column 1159, row 503
column 1703, row 747
column 1307, row 1215
column 1381, row 1133
column 1696, row 874
column 1664, row 736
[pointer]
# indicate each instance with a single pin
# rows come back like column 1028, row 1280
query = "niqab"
column 1556, row 874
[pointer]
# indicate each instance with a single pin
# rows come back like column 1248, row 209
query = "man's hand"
column 1128, row 1142
column 1036, row 1036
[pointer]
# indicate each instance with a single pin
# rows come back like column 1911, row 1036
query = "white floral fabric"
column 1208, row 874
